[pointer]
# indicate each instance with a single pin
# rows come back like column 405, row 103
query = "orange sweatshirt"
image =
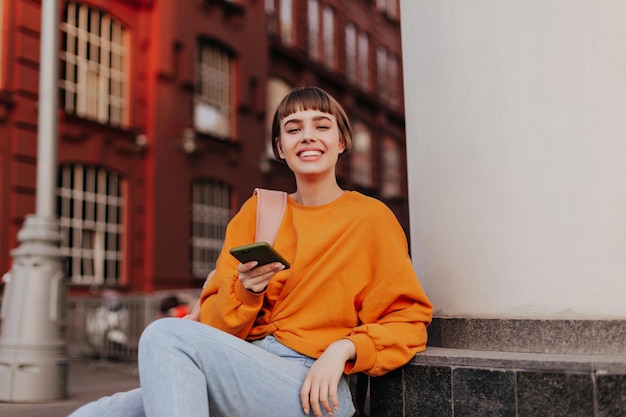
column 350, row 277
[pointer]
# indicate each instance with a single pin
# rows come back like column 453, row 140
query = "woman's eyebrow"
column 293, row 120
column 316, row 118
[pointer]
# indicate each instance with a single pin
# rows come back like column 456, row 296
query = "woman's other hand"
column 321, row 384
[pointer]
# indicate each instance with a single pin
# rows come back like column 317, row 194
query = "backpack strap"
column 270, row 209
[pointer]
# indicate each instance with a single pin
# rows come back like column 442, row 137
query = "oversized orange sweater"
column 350, row 277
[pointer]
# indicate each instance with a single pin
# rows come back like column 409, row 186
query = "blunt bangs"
column 305, row 99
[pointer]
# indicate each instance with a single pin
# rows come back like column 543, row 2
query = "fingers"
column 334, row 398
column 261, row 270
column 255, row 278
column 317, row 395
column 248, row 266
column 305, row 392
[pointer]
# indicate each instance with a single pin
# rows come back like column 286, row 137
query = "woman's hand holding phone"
column 255, row 279
column 259, row 263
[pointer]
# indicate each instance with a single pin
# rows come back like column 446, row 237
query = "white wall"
column 516, row 137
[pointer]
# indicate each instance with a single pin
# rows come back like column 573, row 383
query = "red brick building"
column 163, row 121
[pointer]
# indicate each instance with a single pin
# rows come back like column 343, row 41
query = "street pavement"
column 87, row 381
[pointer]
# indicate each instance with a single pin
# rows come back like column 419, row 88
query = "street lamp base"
column 32, row 375
column 33, row 363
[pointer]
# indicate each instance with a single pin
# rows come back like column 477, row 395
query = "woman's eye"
column 323, row 127
column 292, row 130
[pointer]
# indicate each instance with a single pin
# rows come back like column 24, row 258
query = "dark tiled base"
column 450, row 383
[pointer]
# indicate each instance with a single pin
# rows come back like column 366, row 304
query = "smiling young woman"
column 273, row 341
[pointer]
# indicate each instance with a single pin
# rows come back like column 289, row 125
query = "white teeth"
column 310, row 153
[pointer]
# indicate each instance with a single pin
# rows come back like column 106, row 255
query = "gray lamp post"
column 33, row 363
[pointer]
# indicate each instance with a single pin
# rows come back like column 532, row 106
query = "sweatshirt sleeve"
column 395, row 315
column 395, row 312
column 225, row 303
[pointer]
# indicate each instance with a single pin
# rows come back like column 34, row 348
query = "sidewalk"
column 87, row 381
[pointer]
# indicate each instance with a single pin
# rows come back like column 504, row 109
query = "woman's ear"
column 342, row 145
column 279, row 148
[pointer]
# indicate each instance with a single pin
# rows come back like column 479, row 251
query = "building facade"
column 164, row 111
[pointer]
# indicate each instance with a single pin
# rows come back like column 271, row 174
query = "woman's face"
column 309, row 142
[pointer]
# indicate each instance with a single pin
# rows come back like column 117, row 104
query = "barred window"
column 328, row 26
column 393, row 69
column 94, row 67
column 286, row 22
column 314, row 29
column 90, row 204
column 391, row 178
column 213, row 99
column 210, row 213
column 277, row 89
column 357, row 57
column 270, row 12
column 382, row 82
column 363, row 56
column 387, row 77
column 351, row 52
column 362, row 156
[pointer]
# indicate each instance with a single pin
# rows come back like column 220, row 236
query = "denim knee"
column 157, row 333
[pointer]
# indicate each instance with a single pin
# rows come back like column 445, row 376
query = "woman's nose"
column 308, row 133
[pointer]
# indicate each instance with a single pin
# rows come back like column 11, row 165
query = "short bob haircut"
column 311, row 98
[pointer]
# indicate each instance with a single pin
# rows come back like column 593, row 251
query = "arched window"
column 94, row 65
column 214, row 92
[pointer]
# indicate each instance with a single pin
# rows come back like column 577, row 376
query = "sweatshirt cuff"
column 245, row 296
column 365, row 354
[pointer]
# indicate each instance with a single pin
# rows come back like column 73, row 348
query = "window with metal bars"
column 210, row 213
column 94, row 65
column 286, row 22
column 351, row 52
column 328, row 27
column 391, row 172
column 313, row 13
column 213, row 98
column 90, row 205
column 361, row 156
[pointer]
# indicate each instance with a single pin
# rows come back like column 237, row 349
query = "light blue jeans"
column 189, row 369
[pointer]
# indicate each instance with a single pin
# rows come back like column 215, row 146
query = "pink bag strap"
column 271, row 206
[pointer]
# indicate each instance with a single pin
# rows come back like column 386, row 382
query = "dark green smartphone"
column 262, row 252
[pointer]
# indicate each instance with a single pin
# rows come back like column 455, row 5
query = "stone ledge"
column 605, row 364
column 580, row 337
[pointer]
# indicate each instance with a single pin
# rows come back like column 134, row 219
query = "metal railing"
column 108, row 328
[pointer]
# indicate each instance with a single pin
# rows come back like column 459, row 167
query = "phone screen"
column 262, row 252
